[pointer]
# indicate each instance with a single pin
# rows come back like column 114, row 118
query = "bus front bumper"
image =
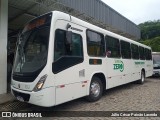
column 44, row 97
column 156, row 72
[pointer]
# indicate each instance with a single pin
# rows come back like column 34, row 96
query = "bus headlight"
column 40, row 83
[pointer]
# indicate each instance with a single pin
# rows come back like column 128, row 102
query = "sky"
column 138, row 11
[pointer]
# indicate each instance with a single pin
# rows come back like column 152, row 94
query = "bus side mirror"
column 69, row 37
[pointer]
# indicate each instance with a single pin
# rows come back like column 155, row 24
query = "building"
column 18, row 12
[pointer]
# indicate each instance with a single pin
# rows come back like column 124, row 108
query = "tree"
column 150, row 29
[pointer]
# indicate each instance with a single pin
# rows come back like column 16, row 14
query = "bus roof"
column 155, row 53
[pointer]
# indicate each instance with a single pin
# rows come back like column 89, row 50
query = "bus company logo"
column 139, row 63
column 118, row 65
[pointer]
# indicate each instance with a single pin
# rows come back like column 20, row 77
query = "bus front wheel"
column 96, row 89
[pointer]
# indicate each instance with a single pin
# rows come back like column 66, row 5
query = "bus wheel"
column 95, row 91
column 141, row 81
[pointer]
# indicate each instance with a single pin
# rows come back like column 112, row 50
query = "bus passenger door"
column 68, row 67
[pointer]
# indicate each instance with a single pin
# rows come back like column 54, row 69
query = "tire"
column 95, row 90
column 141, row 81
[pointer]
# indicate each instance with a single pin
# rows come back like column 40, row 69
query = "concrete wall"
column 3, row 45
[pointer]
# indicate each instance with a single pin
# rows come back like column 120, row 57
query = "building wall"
column 102, row 12
column 3, row 45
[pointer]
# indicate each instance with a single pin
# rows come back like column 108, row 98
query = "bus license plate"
column 20, row 98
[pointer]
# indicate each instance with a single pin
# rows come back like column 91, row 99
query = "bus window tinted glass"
column 135, row 51
column 141, row 52
column 95, row 44
column 148, row 54
column 112, row 47
column 125, row 50
column 62, row 49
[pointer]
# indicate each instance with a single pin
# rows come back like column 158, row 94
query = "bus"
column 156, row 63
column 60, row 58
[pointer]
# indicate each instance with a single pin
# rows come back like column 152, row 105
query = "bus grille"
column 25, row 96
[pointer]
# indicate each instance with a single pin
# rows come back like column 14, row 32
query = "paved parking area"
column 129, row 97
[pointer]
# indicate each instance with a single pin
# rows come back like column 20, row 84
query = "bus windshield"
column 32, row 49
column 156, row 59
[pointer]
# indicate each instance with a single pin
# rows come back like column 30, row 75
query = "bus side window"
column 76, row 45
column 66, row 55
column 59, row 50
column 141, row 52
column 148, row 54
column 95, row 44
column 125, row 50
column 62, row 49
column 135, row 51
column 112, row 47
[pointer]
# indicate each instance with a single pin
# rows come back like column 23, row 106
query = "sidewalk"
column 6, row 98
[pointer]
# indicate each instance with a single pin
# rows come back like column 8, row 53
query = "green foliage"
column 150, row 29
column 150, row 34
column 153, row 43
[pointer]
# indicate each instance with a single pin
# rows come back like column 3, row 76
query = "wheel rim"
column 142, row 77
column 95, row 89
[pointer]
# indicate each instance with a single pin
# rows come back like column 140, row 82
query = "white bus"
column 156, row 63
column 60, row 58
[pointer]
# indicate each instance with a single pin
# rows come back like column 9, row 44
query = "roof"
column 21, row 11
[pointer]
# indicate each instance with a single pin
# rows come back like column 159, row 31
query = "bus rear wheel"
column 141, row 81
column 96, row 89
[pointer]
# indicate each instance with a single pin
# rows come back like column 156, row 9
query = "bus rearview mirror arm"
column 68, row 35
